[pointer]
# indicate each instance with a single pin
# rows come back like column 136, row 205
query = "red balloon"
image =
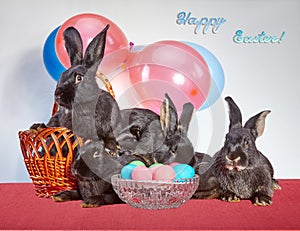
column 89, row 25
column 169, row 67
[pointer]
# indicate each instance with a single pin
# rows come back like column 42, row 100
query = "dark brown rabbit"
column 239, row 170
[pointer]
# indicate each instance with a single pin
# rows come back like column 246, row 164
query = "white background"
column 257, row 76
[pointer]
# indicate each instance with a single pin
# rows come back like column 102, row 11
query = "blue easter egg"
column 184, row 171
column 127, row 170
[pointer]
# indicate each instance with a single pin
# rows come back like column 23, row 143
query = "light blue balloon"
column 216, row 73
column 51, row 61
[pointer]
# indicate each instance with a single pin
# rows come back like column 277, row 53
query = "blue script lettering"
column 239, row 37
column 203, row 23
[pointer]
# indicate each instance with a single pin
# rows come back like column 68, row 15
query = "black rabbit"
column 96, row 119
column 166, row 141
column 176, row 145
column 239, row 170
column 93, row 168
column 133, row 120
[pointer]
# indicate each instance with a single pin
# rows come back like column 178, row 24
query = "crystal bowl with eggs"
column 158, row 186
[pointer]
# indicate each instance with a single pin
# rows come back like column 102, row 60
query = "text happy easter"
column 203, row 24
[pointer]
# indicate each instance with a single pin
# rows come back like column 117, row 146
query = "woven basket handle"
column 103, row 79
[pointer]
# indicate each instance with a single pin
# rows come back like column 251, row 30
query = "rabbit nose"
column 233, row 158
column 234, row 153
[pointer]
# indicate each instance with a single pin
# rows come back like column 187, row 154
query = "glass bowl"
column 152, row 194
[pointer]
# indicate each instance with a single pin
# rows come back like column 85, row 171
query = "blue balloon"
column 216, row 72
column 51, row 61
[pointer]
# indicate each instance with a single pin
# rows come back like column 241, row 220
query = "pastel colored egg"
column 156, row 164
column 137, row 163
column 164, row 172
column 184, row 171
column 141, row 173
column 127, row 170
column 153, row 169
column 173, row 164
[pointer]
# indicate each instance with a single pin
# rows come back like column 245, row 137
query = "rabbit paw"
column 88, row 205
column 276, row 185
column 93, row 201
column 68, row 195
column 230, row 197
column 113, row 152
column 36, row 128
column 262, row 200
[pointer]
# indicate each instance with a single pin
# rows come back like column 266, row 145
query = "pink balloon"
column 89, row 25
column 169, row 67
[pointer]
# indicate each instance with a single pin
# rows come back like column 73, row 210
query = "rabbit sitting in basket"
column 239, row 170
column 95, row 118
column 134, row 120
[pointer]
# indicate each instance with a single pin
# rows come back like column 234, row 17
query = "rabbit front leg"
column 99, row 200
column 97, row 192
column 67, row 195
column 37, row 127
column 107, row 121
column 261, row 199
column 264, row 191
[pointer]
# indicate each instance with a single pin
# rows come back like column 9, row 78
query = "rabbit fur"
column 239, row 170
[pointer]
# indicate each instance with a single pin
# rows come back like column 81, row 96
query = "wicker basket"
column 48, row 155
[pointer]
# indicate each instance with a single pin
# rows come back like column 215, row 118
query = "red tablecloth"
column 21, row 209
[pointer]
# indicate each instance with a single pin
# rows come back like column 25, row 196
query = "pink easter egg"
column 153, row 168
column 141, row 173
column 173, row 164
column 164, row 172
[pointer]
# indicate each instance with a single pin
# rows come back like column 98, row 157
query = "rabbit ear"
column 168, row 116
column 257, row 123
column 73, row 44
column 235, row 115
column 185, row 118
column 95, row 51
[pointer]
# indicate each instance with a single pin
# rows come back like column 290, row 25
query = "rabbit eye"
column 246, row 142
column 78, row 78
